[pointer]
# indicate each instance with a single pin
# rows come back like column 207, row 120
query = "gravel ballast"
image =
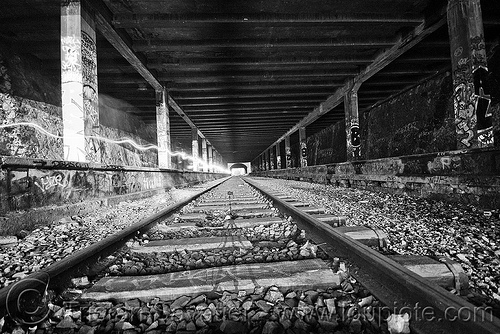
column 417, row 226
column 43, row 246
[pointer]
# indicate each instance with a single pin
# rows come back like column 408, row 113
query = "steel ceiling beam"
column 233, row 110
column 381, row 61
column 123, row 46
column 251, row 62
column 238, row 102
column 202, row 77
column 249, row 95
column 237, row 78
column 163, row 20
column 175, row 45
column 242, row 88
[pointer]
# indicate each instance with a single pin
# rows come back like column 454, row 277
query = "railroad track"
column 240, row 260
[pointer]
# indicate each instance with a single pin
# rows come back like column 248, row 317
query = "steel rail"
column 60, row 272
column 432, row 309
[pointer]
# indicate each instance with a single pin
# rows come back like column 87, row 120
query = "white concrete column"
column 194, row 148
column 278, row 156
column 303, row 147
column 79, row 96
column 204, row 154
column 210, row 158
column 163, row 129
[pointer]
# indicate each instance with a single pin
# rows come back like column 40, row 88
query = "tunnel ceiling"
column 246, row 72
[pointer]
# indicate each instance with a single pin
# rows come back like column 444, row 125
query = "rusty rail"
column 59, row 273
column 432, row 309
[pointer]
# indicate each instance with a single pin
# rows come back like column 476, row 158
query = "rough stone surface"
column 464, row 233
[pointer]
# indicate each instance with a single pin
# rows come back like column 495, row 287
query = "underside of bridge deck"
column 280, row 84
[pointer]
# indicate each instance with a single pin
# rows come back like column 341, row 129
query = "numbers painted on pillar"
column 355, row 136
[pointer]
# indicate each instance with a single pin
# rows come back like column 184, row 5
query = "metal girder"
column 172, row 80
column 191, row 62
column 245, row 102
column 121, row 43
column 163, row 20
column 236, row 78
column 235, row 87
column 102, row 19
column 382, row 60
column 249, row 95
column 162, row 45
column 234, row 109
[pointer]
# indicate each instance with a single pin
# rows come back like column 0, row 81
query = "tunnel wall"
column 420, row 120
column 35, row 183
column 24, row 99
column 466, row 176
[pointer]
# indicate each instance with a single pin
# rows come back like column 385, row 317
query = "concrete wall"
column 421, row 120
column 324, row 147
column 408, row 145
column 471, row 176
column 31, row 183
column 24, row 100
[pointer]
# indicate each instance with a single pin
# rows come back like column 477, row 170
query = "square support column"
column 204, row 154
column 79, row 96
column 194, row 149
column 163, row 129
column 210, row 158
column 471, row 99
column 353, row 139
column 278, row 156
column 288, row 152
column 303, row 147
column 272, row 159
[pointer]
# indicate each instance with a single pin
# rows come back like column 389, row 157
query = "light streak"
column 183, row 155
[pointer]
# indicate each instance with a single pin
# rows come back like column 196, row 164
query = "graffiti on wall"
column 288, row 155
column 355, row 140
column 70, row 63
column 271, row 159
column 48, row 182
column 443, row 164
column 303, row 153
column 90, row 97
column 46, row 186
column 471, row 99
column 482, row 92
column 162, row 130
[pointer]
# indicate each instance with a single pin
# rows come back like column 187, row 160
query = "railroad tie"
column 302, row 274
column 445, row 272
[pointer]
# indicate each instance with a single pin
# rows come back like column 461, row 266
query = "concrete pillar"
column 278, row 156
column 266, row 160
column 288, row 152
column 353, row 140
column 215, row 157
column 471, row 99
column 272, row 158
column 210, row 158
column 303, row 147
column 194, row 148
column 79, row 96
column 163, row 129
column 204, row 154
